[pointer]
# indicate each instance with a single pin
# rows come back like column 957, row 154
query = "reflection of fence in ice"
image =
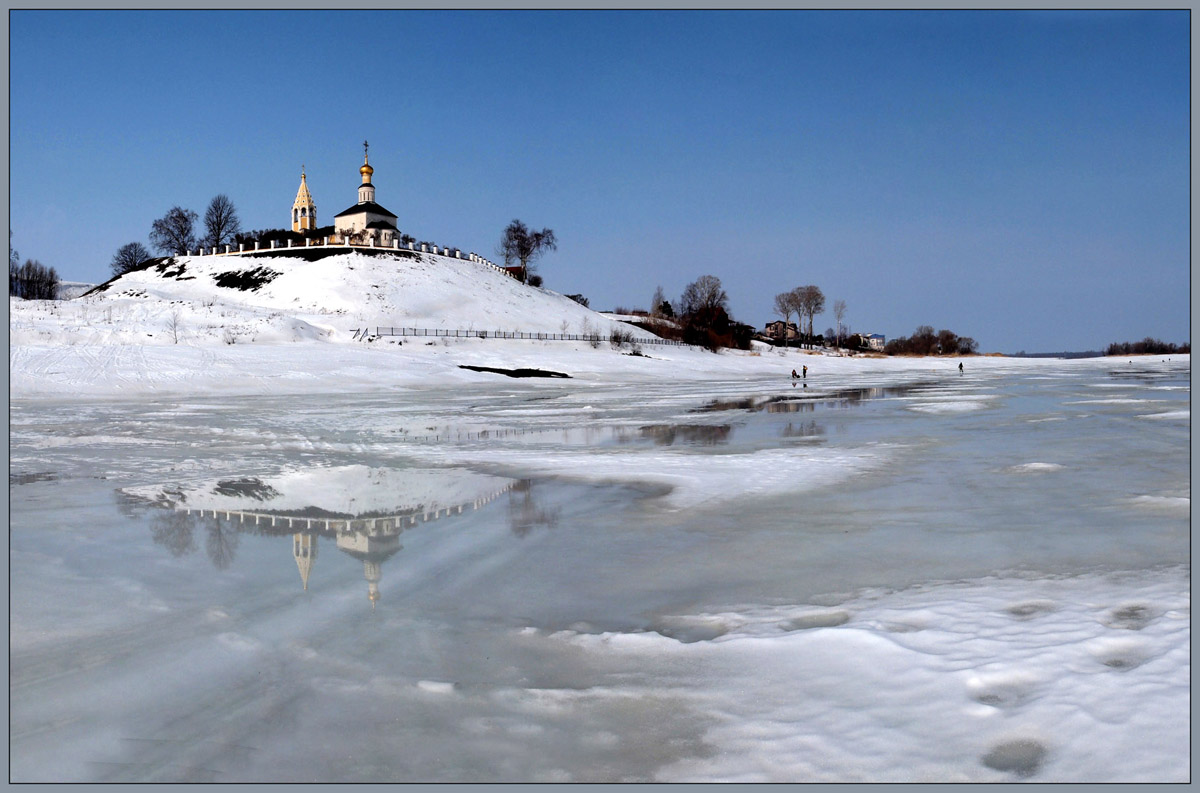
column 372, row 525
column 478, row 435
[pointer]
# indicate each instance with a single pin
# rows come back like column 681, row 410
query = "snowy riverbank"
column 284, row 325
column 126, row 369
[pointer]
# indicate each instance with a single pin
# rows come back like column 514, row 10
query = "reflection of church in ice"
column 371, row 540
column 362, row 510
column 372, row 547
column 371, row 550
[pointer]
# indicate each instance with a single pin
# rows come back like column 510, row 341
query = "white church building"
column 364, row 222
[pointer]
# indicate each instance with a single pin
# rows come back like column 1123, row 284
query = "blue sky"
column 1020, row 177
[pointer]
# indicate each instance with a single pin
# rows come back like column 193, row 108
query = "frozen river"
column 885, row 578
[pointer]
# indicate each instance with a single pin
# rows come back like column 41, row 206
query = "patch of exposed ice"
column 1170, row 415
column 1033, row 468
column 692, row 479
column 1181, row 505
column 1113, row 401
column 948, row 407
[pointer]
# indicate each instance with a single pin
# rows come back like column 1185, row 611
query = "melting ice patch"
column 691, row 479
column 1034, row 468
column 1179, row 505
column 1073, row 678
column 1184, row 415
column 951, row 403
column 947, row 407
column 1112, row 401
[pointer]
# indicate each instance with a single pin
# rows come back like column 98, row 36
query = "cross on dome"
column 366, row 170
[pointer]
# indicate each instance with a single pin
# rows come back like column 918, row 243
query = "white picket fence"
column 437, row 250
column 451, row 333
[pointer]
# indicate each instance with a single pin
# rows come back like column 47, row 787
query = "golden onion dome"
column 366, row 169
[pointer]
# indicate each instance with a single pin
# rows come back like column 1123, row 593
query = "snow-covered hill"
column 285, row 323
column 284, row 298
column 281, row 324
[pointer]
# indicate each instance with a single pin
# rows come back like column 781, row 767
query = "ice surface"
column 925, row 684
column 891, row 573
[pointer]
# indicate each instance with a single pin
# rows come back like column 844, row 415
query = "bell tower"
column 304, row 211
column 304, row 549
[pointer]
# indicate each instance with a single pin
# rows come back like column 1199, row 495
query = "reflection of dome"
column 372, row 571
column 373, row 551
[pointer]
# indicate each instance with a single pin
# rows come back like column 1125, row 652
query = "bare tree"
column 947, row 342
column 129, row 258
column 657, row 302
column 703, row 314
column 839, row 313
column 924, row 340
column 174, row 233
column 32, row 281
column 221, row 543
column 785, row 305
column 703, row 294
column 173, row 530
column 221, row 221
column 810, row 302
column 521, row 245
column 173, row 323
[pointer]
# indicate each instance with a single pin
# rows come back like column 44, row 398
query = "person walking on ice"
column 960, row 369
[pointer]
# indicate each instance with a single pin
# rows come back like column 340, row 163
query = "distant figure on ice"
column 805, row 368
column 794, row 375
column 960, row 367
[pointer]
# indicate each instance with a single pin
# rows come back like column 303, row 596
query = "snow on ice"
column 247, row 546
